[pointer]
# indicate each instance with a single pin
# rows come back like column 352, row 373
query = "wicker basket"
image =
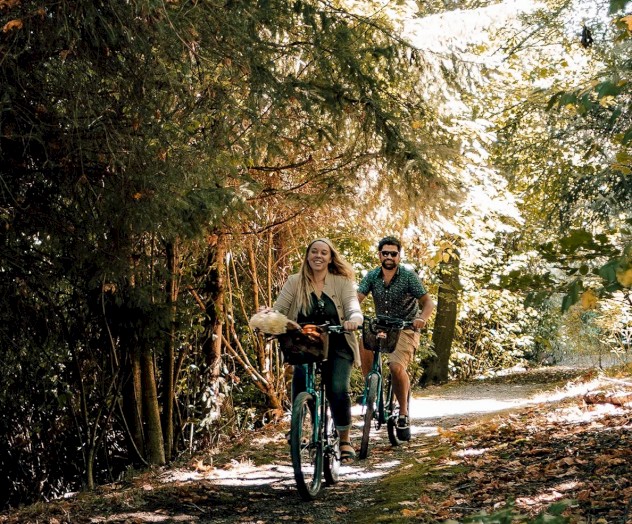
column 311, row 344
column 379, row 337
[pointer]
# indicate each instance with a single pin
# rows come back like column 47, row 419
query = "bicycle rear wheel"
column 331, row 466
column 306, row 447
column 371, row 397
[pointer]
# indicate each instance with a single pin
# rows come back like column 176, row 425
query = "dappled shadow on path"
column 249, row 479
column 259, row 480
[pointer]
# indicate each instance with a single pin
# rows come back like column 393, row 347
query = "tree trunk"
column 213, row 293
column 132, row 401
column 168, row 391
column 155, row 441
column 436, row 366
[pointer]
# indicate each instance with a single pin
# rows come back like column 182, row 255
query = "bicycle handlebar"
column 383, row 321
column 332, row 328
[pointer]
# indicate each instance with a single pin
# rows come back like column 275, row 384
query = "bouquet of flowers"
column 271, row 322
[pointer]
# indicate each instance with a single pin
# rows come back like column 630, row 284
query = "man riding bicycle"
column 397, row 292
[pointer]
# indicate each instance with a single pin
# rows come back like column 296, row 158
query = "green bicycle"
column 380, row 335
column 314, row 441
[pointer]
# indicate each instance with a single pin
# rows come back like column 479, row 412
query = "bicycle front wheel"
column 306, row 446
column 371, row 397
column 331, row 467
column 393, row 412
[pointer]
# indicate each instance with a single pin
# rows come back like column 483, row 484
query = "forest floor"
column 554, row 442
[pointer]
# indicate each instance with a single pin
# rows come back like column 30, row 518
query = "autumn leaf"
column 624, row 277
column 12, row 24
column 627, row 20
column 589, row 299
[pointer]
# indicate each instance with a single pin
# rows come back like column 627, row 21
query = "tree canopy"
column 163, row 165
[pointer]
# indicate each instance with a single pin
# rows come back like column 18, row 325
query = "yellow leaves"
column 607, row 101
column 624, row 276
column 447, row 434
column 108, row 287
column 627, row 20
column 623, row 157
column 444, row 255
column 589, row 299
column 621, row 168
column 417, row 124
column 12, row 24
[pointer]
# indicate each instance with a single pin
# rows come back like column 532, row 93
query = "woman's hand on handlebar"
column 350, row 325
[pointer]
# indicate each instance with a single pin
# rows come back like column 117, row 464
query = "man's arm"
column 426, row 306
column 361, row 297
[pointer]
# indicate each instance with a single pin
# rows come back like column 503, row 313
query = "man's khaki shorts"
column 406, row 345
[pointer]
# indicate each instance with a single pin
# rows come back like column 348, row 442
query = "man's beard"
column 392, row 264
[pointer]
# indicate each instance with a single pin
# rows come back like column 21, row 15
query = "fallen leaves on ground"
column 576, row 453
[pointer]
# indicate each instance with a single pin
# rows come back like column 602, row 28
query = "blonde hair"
column 338, row 265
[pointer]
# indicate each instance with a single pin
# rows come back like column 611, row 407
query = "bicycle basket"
column 304, row 346
column 381, row 337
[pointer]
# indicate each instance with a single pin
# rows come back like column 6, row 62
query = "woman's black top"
column 324, row 311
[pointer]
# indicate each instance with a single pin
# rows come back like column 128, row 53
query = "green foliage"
column 132, row 130
column 494, row 332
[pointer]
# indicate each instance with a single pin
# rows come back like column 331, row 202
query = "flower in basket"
column 271, row 322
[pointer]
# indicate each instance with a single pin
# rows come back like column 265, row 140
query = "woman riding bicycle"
column 324, row 291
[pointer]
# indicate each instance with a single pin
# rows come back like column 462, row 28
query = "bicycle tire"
column 331, row 464
column 306, row 447
column 393, row 410
column 371, row 397
column 382, row 414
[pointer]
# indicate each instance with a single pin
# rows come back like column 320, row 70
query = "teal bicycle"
column 380, row 335
column 314, row 441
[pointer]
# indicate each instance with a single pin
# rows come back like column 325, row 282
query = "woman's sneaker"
column 403, row 428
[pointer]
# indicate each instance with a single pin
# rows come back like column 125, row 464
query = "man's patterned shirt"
column 400, row 298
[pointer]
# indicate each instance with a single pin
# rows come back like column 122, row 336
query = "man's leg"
column 399, row 361
column 401, row 386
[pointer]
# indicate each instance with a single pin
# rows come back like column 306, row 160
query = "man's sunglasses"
column 391, row 254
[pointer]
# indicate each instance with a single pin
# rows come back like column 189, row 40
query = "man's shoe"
column 403, row 428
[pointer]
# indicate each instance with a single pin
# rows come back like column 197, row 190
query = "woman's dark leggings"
column 337, row 376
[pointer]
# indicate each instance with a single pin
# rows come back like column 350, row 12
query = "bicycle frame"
column 320, row 454
column 378, row 407
column 385, row 402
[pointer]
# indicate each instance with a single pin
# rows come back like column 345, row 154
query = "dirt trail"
column 250, row 479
